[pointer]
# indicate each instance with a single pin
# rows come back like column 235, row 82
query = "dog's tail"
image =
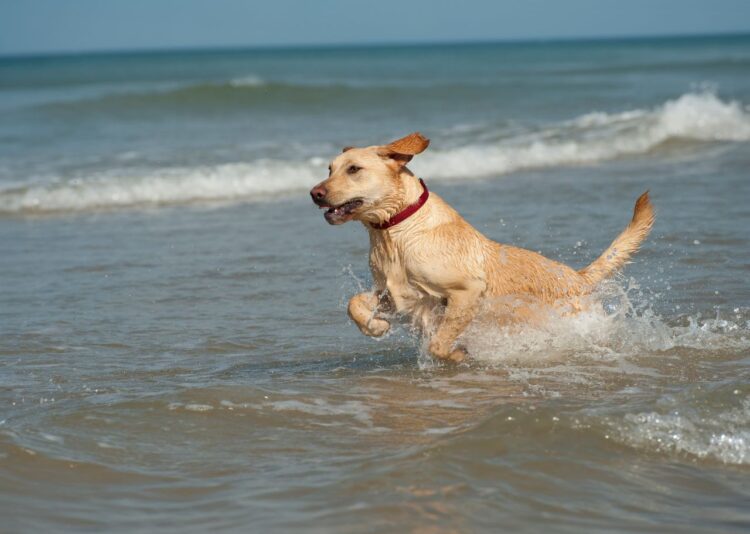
column 625, row 245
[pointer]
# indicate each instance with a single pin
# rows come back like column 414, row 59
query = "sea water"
column 174, row 347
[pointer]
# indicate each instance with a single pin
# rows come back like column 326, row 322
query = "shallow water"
column 174, row 346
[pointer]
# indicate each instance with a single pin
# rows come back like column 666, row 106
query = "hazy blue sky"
column 72, row 25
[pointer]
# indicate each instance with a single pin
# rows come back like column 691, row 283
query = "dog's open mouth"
column 343, row 212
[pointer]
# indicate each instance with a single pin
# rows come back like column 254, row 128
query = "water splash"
column 620, row 322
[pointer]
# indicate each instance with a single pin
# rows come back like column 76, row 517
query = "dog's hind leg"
column 363, row 309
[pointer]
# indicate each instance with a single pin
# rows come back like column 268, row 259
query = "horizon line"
column 372, row 44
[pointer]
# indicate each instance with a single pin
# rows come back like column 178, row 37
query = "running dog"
column 432, row 266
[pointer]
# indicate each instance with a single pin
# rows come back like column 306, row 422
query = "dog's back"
column 523, row 272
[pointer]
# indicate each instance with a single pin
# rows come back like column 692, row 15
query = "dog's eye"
column 353, row 169
column 329, row 170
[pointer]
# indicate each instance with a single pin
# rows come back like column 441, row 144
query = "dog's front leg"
column 461, row 309
column 363, row 309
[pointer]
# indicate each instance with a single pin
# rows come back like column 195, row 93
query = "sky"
column 58, row 26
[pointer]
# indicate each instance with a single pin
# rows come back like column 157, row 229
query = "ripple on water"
column 711, row 425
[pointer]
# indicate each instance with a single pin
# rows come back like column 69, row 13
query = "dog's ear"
column 411, row 145
column 346, row 148
column 402, row 150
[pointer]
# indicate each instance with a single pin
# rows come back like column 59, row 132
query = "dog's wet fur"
column 434, row 267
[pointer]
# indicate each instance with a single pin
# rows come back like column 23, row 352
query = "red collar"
column 408, row 211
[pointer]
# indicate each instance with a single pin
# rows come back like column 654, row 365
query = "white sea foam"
column 247, row 81
column 322, row 408
column 52, row 437
column 620, row 324
column 597, row 137
column 588, row 139
column 722, row 436
column 174, row 185
column 197, row 407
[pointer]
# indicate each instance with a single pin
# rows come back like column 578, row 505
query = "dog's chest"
column 390, row 271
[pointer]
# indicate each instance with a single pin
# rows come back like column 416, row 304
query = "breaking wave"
column 588, row 139
column 172, row 185
column 714, row 427
column 250, row 80
column 597, row 137
column 241, row 93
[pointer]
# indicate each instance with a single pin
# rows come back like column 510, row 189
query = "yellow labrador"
column 432, row 266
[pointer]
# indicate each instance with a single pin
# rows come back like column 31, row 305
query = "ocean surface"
column 175, row 353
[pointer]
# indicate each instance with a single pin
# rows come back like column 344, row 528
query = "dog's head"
column 364, row 183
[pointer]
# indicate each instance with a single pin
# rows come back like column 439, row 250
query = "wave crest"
column 247, row 81
column 177, row 185
column 597, row 137
column 693, row 429
column 588, row 139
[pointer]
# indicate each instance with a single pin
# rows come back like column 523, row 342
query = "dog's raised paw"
column 376, row 327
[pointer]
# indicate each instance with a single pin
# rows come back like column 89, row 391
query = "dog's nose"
column 318, row 193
